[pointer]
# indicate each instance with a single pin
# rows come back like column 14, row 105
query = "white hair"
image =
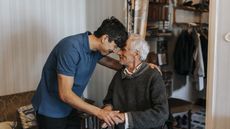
column 140, row 45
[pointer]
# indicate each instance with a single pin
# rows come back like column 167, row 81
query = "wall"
column 30, row 29
column 28, row 32
column 97, row 10
column 218, row 105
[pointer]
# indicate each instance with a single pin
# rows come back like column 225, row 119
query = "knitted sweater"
column 142, row 96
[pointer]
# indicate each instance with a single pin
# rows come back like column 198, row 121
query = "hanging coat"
column 183, row 53
column 199, row 71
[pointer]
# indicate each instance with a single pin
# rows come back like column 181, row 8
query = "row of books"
column 158, row 13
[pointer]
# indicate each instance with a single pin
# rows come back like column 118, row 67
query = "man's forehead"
column 124, row 48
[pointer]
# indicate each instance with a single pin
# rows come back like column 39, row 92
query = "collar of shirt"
column 86, row 42
column 127, row 72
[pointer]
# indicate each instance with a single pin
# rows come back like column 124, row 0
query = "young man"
column 67, row 72
column 137, row 91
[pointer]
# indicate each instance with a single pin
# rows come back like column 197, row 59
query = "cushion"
column 27, row 116
column 7, row 125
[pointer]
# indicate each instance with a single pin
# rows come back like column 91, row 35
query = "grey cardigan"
column 142, row 96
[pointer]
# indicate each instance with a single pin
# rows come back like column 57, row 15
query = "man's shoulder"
column 72, row 42
column 76, row 37
column 119, row 72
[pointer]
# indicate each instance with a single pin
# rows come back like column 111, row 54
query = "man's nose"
column 118, row 52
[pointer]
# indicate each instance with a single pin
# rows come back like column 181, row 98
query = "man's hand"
column 153, row 66
column 107, row 116
column 119, row 118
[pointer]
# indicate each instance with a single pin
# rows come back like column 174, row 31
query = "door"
column 218, row 88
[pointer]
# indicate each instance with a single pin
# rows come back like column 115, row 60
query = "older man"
column 137, row 91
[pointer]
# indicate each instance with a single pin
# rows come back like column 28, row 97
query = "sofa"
column 11, row 117
column 9, row 105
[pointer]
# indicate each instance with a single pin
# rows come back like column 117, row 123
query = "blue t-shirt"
column 72, row 57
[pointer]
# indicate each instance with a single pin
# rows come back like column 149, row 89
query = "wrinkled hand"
column 108, row 116
column 119, row 118
column 153, row 66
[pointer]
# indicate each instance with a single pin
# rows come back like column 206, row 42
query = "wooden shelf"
column 188, row 24
column 166, row 34
column 190, row 9
column 197, row 12
column 178, row 105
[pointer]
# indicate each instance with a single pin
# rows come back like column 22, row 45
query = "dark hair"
column 114, row 29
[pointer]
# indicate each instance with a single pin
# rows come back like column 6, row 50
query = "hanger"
column 202, row 32
column 192, row 24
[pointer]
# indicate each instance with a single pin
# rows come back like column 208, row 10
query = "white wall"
column 29, row 29
column 218, row 103
column 98, row 10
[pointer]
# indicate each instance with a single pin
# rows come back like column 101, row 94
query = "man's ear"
column 137, row 53
column 104, row 38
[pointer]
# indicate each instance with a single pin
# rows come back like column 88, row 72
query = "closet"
column 177, row 32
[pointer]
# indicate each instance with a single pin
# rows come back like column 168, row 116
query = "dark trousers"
column 72, row 121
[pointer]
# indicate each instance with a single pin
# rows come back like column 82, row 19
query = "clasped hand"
column 109, row 118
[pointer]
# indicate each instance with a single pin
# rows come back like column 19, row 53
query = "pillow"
column 27, row 116
column 7, row 125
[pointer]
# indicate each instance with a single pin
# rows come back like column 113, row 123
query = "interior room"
column 188, row 40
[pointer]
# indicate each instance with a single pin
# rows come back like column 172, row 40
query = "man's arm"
column 115, row 65
column 110, row 63
column 108, row 107
column 65, row 84
column 108, row 104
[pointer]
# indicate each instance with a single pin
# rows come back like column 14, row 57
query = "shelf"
column 166, row 34
column 190, row 24
column 187, row 8
column 151, row 23
column 158, row 4
column 197, row 13
column 178, row 105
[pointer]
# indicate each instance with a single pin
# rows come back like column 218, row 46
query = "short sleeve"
column 67, row 62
